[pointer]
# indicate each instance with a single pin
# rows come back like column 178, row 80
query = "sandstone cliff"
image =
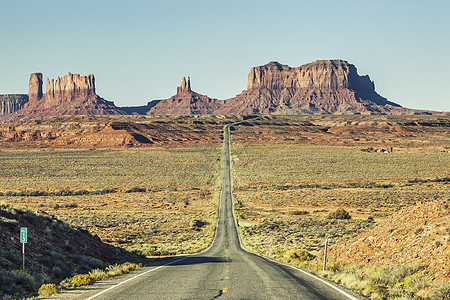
column 326, row 86
column 72, row 94
column 69, row 88
column 11, row 103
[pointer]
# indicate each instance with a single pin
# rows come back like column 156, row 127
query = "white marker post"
column 325, row 255
column 23, row 240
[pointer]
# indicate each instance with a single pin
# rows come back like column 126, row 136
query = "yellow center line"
column 228, row 277
column 225, row 290
column 228, row 270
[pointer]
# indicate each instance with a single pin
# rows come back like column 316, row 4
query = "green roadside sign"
column 23, row 235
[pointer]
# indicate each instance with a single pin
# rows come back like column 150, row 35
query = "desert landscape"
column 150, row 184
column 389, row 175
column 224, row 150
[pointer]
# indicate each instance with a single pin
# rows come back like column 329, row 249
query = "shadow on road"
column 194, row 260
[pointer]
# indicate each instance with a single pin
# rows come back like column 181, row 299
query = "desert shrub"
column 98, row 274
column 48, row 289
column 391, row 275
column 85, row 263
column 197, row 224
column 441, row 291
column 369, row 149
column 136, row 189
column 81, row 280
column 340, row 214
column 16, row 283
column 298, row 256
column 115, row 270
column 151, row 250
column 24, row 280
column 299, row 212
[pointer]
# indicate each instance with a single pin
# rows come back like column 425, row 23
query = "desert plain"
column 151, row 184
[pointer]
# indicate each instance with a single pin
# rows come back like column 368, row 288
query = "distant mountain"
column 320, row 87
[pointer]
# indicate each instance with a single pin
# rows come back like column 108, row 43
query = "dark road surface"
column 223, row 271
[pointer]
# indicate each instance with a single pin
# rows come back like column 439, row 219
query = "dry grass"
column 285, row 191
column 154, row 196
column 272, row 182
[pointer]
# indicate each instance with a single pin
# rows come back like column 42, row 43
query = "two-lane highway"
column 223, row 271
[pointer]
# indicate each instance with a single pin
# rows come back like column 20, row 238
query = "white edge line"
column 281, row 263
column 125, row 281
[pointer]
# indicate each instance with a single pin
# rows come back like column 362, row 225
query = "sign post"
column 325, row 255
column 23, row 240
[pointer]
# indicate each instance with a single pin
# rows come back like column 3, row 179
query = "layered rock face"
column 325, row 74
column 11, row 103
column 320, row 87
column 69, row 88
column 72, row 94
column 326, row 86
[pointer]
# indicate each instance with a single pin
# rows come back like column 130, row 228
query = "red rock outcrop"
column 35, row 87
column 326, row 86
column 322, row 74
column 72, row 94
column 320, row 87
column 11, row 102
column 185, row 102
column 185, row 86
column 69, row 88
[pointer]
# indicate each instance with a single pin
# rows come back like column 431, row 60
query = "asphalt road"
column 223, row 271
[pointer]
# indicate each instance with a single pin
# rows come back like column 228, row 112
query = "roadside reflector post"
column 325, row 255
column 23, row 240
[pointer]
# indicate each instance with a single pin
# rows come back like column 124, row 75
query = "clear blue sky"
column 139, row 50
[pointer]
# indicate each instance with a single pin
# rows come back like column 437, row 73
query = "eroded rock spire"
column 185, row 86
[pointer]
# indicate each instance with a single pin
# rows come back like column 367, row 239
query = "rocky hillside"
column 418, row 234
column 72, row 94
column 11, row 103
column 113, row 131
column 54, row 250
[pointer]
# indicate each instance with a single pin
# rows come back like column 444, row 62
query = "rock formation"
column 325, row 86
column 320, row 87
column 185, row 86
column 72, row 94
column 185, row 102
column 11, row 103
column 70, row 88
column 324, row 74
column 35, row 87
